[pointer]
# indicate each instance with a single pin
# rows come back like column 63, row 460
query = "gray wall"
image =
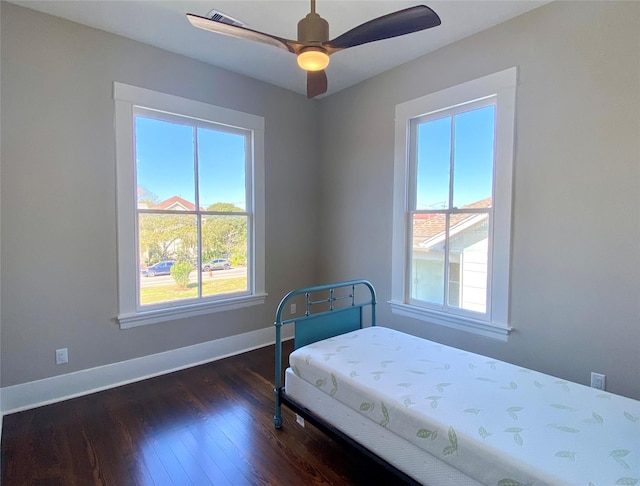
column 58, row 193
column 575, row 289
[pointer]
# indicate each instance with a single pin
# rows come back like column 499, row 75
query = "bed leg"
column 277, row 417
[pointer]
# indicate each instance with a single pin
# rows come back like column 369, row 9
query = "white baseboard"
column 63, row 387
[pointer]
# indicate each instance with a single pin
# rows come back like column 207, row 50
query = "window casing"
column 452, row 205
column 144, row 119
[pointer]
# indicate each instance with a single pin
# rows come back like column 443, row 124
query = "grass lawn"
column 169, row 292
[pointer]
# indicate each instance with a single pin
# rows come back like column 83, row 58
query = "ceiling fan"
column 313, row 46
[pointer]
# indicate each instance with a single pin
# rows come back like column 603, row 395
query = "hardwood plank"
column 213, row 439
column 170, row 461
column 218, row 474
column 151, row 461
column 211, row 424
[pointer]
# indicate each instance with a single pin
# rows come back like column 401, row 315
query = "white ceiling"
column 163, row 23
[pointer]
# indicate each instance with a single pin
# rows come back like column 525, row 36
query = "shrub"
column 237, row 260
column 180, row 273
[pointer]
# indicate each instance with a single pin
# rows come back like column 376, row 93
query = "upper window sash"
column 414, row 123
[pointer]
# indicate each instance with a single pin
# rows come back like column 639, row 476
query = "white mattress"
column 489, row 419
column 412, row 460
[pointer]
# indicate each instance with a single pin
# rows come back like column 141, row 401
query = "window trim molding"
column 142, row 318
column 127, row 97
column 502, row 85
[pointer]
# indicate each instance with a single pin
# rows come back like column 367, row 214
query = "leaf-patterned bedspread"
column 498, row 423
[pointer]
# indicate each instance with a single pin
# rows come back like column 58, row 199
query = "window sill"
column 455, row 322
column 143, row 318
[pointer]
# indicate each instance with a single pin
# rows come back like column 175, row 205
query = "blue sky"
column 165, row 161
column 165, row 156
column 473, row 159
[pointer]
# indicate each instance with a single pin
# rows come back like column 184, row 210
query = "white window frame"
column 127, row 98
column 495, row 323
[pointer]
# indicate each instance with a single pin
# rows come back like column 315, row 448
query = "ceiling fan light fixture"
column 313, row 59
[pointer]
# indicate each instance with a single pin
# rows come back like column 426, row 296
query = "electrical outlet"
column 597, row 380
column 62, row 356
column 293, row 308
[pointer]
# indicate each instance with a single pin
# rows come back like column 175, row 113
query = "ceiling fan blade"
column 241, row 32
column 395, row 24
column 316, row 83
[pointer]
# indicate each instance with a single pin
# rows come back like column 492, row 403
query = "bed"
column 438, row 415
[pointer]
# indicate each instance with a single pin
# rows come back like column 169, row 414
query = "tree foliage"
column 225, row 235
column 146, row 198
column 163, row 236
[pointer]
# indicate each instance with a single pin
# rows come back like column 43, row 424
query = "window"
column 452, row 205
column 190, row 207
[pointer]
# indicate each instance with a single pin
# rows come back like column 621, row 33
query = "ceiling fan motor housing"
column 313, row 30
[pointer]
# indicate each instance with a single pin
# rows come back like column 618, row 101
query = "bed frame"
column 556, row 410
column 329, row 310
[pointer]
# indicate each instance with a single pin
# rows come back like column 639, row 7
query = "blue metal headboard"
column 337, row 310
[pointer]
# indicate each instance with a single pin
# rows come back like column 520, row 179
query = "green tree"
column 146, row 198
column 163, row 235
column 225, row 235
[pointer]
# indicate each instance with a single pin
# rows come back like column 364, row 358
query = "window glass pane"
column 473, row 156
column 468, row 261
column 221, row 165
column 454, row 283
column 224, row 254
column 427, row 257
column 433, row 164
column 164, row 163
column 167, row 253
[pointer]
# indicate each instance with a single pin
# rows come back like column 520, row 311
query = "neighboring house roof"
column 429, row 228
column 175, row 203
column 481, row 204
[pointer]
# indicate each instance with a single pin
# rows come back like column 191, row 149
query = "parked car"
column 160, row 268
column 217, row 264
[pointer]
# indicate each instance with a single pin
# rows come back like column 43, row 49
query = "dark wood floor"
column 211, row 424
